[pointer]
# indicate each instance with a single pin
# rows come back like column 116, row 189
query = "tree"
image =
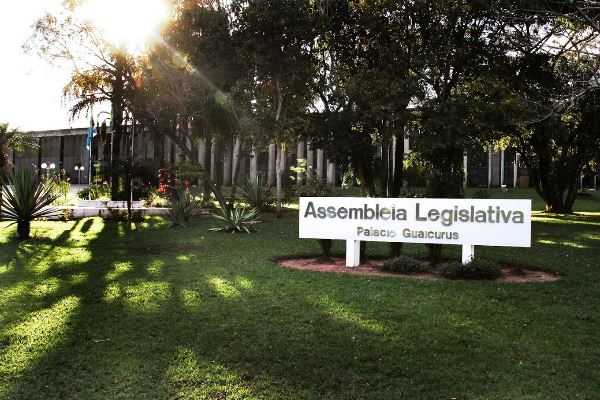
column 15, row 140
column 553, row 73
column 276, row 39
column 186, row 80
column 102, row 73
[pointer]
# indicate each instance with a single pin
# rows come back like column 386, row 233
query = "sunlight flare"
column 133, row 25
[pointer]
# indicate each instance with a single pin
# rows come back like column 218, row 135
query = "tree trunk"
column 398, row 178
column 384, row 173
column 1, row 192
column 23, row 229
column 445, row 180
column 299, row 156
column 367, row 184
column 397, row 182
column 326, row 245
column 555, row 184
column 271, row 167
column 238, row 149
column 117, row 122
column 435, row 252
column 280, row 160
column 279, row 165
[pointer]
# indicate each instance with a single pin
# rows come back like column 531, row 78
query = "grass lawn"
column 94, row 310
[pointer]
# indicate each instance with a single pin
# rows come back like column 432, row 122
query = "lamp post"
column 48, row 167
column 79, row 169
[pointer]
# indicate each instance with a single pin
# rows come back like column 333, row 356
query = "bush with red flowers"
column 169, row 183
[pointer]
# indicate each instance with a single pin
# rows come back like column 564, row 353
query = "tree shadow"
column 155, row 318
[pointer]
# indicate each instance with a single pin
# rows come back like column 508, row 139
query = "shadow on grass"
column 154, row 315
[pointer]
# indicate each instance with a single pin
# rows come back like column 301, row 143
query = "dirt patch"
column 510, row 274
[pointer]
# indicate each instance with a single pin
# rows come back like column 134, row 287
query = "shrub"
column 66, row 214
column 153, row 199
column 190, row 171
column 24, row 198
column 144, row 171
column 183, row 206
column 481, row 194
column 257, row 195
column 170, row 185
column 404, row 264
column 60, row 187
column 238, row 220
column 314, row 187
column 413, row 192
column 99, row 191
column 120, row 215
column 415, row 170
column 476, row 269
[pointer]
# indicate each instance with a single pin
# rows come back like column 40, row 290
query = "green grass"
column 93, row 310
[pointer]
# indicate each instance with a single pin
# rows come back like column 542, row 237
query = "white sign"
column 467, row 222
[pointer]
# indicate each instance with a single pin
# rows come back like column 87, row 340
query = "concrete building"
column 66, row 148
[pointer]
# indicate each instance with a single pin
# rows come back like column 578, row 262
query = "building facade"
column 66, row 149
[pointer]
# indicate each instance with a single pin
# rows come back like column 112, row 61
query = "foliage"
column 415, row 170
column 183, row 206
column 476, row 269
column 277, row 93
column 144, row 171
column 237, row 220
column 257, row 195
column 414, row 192
column 120, row 215
column 66, row 214
column 314, row 187
column 154, row 199
column 481, row 194
column 100, row 191
column 190, row 171
column 170, row 186
column 25, row 198
column 12, row 139
column 60, row 187
column 404, row 264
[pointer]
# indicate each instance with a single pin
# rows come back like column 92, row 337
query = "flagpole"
column 90, row 162
column 131, row 166
column 89, row 148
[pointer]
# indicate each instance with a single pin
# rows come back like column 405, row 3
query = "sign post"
column 352, row 253
column 468, row 253
column 464, row 222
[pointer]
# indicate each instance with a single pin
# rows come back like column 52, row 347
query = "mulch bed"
column 510, row 274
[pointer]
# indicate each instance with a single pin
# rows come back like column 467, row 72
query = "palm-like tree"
column 25, row 198
column 10, row 139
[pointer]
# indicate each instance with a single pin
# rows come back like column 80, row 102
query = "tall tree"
column 102, row 73
column 554, row 74
column 276, row 38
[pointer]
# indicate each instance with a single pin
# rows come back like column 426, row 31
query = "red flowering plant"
column 169, row 185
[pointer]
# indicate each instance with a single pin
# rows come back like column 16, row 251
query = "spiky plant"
column 238, row 220
column 257, row 195
column 183, row 206
column 26, row 198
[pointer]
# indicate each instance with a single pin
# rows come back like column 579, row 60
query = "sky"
column 30, row 88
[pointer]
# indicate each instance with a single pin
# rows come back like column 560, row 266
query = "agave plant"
column 238, row 220
column 26, row 198
column 257, row 195
column 183, row 206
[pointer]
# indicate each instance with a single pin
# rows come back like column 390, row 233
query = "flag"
column 91, row 133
